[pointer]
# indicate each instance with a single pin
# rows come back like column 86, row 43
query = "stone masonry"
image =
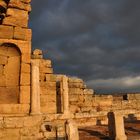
column 15, row 56
column 35, row 103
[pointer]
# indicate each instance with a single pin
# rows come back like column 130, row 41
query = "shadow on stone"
column 132, row 129
column 95, row 133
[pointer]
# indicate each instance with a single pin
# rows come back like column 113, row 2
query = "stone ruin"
column 35, row 103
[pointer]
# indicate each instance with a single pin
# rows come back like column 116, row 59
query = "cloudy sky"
column 96, row 40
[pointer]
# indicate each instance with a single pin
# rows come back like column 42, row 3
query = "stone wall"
column 14, row 19
column 35, row 103
column 85, row 106
column 48, row 87
column 9, row 81
column 15, row 56
column 20, row 128
column 38, row 127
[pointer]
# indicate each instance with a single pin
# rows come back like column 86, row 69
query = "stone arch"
column 10, row 59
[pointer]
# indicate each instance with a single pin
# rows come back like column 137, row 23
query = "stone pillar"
column 65, row 93
column 72, row 130
column 116, row 126
column 35, row 87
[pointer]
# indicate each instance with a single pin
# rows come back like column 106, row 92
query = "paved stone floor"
column 100, row 132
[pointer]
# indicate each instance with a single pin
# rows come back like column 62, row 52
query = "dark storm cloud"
column 97, row 40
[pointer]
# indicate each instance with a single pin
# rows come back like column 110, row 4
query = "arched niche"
column 10, row 60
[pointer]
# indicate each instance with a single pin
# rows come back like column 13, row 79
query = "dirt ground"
column 100, row 132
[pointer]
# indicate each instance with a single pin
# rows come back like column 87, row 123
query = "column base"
column 35, row 114
column 66, row 115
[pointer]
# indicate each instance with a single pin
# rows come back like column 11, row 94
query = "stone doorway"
column 10, row 58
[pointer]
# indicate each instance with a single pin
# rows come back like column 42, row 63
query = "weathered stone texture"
column 9, row 95
column 25, row 58
column 25, row 68
column 14, row 62
column 6, row 32
column 15, row 128
column 14, row 108
column 25, row 79
column 16, row 17
column 48, row 97
column 3, row 3
column 22, row 34
column 25, row 1
column 57, row 96
column 38, row 54
column 24, row 94
column 116, row 126
column 3, row 60
column 10, row 72
column 19, row 4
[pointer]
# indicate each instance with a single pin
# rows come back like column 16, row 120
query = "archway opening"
column 10, row 58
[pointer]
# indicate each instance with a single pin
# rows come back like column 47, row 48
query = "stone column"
column 72, row 130
column 65, row 93
column 116, row 126
column 35, row 87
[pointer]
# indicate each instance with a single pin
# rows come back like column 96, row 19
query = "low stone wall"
column 31, row 128
column 81, row 99
column 20, row 128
